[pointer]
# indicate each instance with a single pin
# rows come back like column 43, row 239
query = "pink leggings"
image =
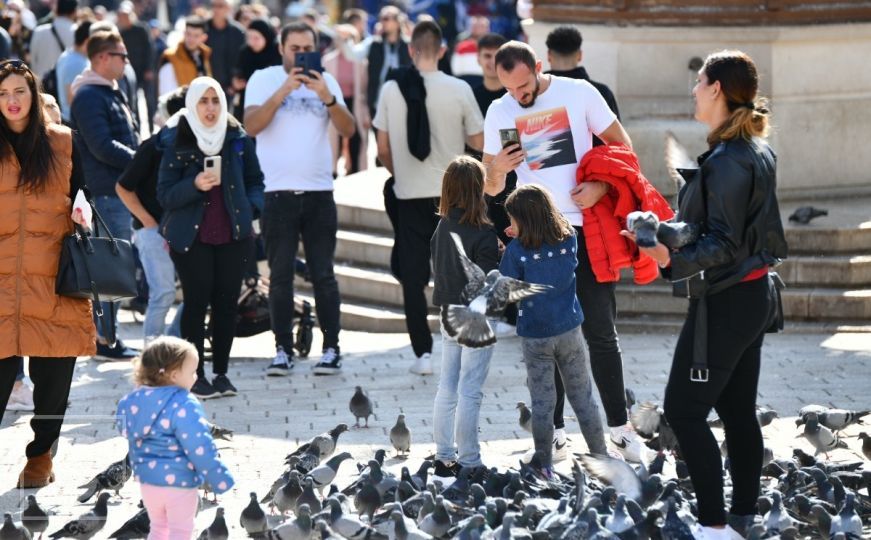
column 171, row 511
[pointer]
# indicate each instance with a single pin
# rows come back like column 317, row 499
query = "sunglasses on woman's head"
column 13, row 64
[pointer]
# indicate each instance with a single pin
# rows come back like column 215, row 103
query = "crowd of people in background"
column 183, row 141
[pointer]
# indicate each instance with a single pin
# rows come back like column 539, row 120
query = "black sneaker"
column 446, row 470
column 281, row 364
column 223, row 386
column 119, row 352
column 330, row 364
column 204, row 390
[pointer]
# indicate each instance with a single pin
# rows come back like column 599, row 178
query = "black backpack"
column 49, row 82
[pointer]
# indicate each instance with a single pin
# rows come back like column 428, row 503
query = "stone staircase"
column 828, row 274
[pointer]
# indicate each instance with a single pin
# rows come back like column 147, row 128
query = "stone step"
column 377, row 319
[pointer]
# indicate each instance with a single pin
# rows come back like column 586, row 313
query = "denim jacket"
column 170, row 443
column 184, row 204
column 556, row 311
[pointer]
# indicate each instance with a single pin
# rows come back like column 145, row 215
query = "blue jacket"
column 169, row 439
column 557, row 311
column 105, row 136
column 183, row 204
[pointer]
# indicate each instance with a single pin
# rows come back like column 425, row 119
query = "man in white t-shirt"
column 289, row 111
column 556, row 119
column 417, row 160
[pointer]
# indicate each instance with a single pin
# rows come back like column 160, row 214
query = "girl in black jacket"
column 725, row 275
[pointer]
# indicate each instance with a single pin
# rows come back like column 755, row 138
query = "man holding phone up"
column 289, row 110
column 556, row 119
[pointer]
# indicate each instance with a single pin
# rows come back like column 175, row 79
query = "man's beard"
column 534, row 95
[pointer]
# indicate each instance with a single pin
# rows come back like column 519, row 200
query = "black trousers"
column 737, row 320
column 414, row 223
column 51, row 390
column 354, row 142
column 599, row 304
column 211, row 276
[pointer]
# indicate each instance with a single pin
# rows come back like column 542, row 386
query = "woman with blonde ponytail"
column 732, row 303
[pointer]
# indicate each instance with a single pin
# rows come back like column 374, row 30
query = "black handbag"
column 101, row 268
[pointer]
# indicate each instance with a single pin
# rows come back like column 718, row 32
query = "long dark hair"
column 537, row 216
column 36, row 157
column 739, row 82
column 463, row 187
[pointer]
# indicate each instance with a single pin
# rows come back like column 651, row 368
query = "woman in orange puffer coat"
column 37, row 180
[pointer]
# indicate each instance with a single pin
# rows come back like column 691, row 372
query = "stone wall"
column 815, row 76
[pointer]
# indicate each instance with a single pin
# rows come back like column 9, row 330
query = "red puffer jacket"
column 617, row 165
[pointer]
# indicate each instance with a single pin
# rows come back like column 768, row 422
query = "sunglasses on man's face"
column 125, row 56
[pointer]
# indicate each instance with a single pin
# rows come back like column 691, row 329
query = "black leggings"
column 737, row 319
column 211, row 276
column 51, row 390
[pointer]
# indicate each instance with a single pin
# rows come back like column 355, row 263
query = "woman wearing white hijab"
column 207, row 220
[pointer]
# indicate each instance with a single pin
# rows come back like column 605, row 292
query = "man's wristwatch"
column 333, row 102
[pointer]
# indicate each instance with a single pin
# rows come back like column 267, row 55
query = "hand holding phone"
column 509, row 136
column 308, row 61
column 212, row 165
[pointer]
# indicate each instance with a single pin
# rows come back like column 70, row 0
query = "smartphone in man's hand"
column 308, row 61
column 508, row 137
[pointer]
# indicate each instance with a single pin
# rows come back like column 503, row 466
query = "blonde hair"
column 739, row 82
column 159, row 359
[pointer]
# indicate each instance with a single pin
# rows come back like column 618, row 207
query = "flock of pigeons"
column 603, row 497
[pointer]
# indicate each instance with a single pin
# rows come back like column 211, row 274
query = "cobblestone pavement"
column 272, row 415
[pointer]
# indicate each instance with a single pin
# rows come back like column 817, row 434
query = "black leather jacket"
column 733, row 196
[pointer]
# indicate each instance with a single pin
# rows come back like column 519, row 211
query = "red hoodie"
column 617, row 165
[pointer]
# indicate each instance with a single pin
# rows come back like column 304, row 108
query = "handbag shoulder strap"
column 60, row 42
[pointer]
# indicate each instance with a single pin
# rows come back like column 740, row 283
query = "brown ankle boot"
column 37, row 472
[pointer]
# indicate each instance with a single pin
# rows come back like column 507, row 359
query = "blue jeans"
column 458, row 402
column 120, row 224
column 160, row 274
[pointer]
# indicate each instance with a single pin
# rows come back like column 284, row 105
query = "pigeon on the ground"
column 286, row 496
column 438, row 522
column 308, row 497
column 111, row 479
column 401, row 531
column 310, row 459
column 525, row 420
column 619, row 520
column 821, row 437
column 764, row 416
column 136, row 527
column 34, row 518
column 487, row 295
column 848, row 521
column 298, row 529
column 777, row 518
column 367, row 499
column 220, row 433
column 361, row 406
column 804, row 214
column 324, row 474
column 11, row 531
column 253, row 518
column 866, row 445
column 325, row 443
column 88, row 524
column 218, row 529
column 644, row 225
column 400, row 436
column 834, row 419
column 623, row 477
column 348, row 525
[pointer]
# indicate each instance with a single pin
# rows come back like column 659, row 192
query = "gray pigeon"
column 323, row 475
column 644, row 225
column 298, row 529
column 349, row 526
column 308, row 497
column 286, row 496
column 821, row 437
column 220, row 433
column 525, row 420
column 88, row 524
column 368, row 499
column 136, row 527
column 834, row 419
column 677, row 234
column 487, row 295
column 361, row 406
column 848, row 521
column 111, row 479
column 623, row 478
column 400, row 436
column 218, row 529
column 777, row 518
column 866, row 445
column 11, row 531
column 325, row 443
column 619, row 520
column 804, row 214
column 401, row 530
column 253, row 518
column 34, row 518
column 438, row 522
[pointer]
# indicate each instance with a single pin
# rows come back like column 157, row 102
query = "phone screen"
column 509, row 136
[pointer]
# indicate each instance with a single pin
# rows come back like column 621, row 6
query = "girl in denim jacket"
column 170, row 446
column 549, row 324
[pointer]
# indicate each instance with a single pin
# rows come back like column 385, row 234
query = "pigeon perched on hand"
column 88, row 524
column 644, row 225
column 111, row 479
column 525, row 420
column 803, row 215
column 400, row 436
column 361, row 406
column 488, row 296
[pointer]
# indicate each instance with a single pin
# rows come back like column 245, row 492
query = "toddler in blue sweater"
column 171, row 448
column 549, row 324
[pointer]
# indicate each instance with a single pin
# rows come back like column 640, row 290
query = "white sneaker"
column 560, row 442
column 21, row 398
column 527, row 456
column 422, row 365
column 629, row 444
column 281, row 364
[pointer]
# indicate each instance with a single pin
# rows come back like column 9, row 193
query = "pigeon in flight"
column 488, row 296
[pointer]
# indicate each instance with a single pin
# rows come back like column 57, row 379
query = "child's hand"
column 500, row 246
column 510, row 232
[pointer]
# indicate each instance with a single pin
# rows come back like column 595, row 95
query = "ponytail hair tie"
column 161, row 371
